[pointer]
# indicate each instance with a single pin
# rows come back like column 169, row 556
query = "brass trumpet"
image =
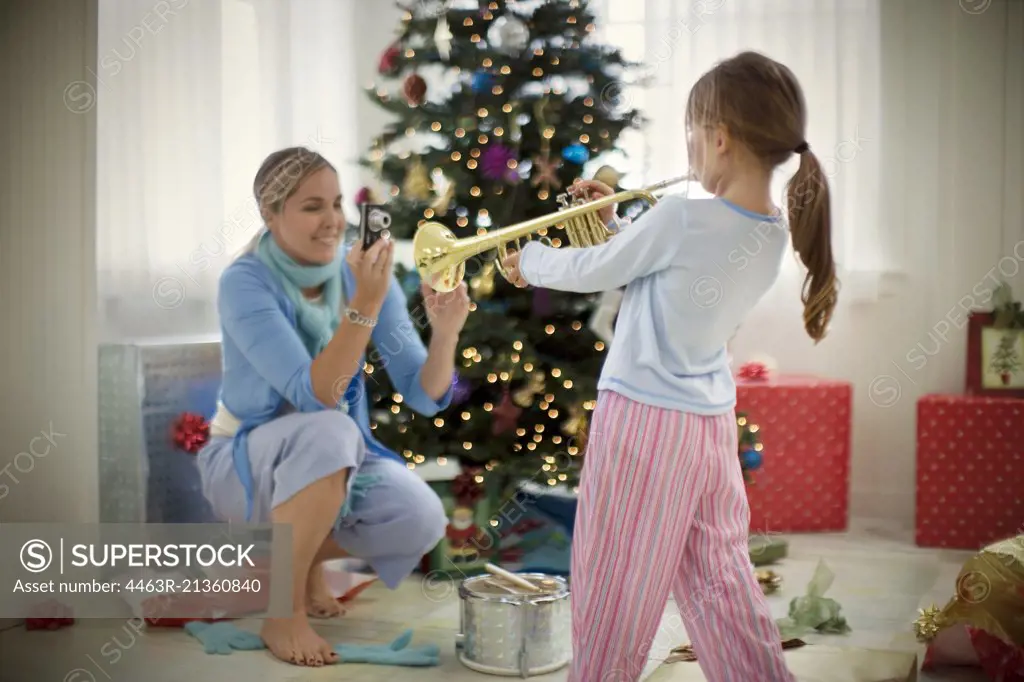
column 441, row 258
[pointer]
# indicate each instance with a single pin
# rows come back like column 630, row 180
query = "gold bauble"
column 481, row 285
column 524, row 396
column 417, row 181
column 608, row 176
column 582, row 433
column 444, row 201
column 577, row 420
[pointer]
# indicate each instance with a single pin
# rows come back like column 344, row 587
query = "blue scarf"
column 316, row 323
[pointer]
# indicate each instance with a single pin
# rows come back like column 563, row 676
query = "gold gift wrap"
column 820, row 663
column 989, row 595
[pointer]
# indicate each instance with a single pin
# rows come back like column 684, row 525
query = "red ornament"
column 50, row 615
column 506, row 415
column 466, row 490
column 190, row 432
column 363, row 196
column 414, row 89
column 389, row 60
column 753, row 371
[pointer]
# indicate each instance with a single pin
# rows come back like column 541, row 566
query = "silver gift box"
column 143, row 388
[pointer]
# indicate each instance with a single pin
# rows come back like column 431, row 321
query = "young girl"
column 662, row 506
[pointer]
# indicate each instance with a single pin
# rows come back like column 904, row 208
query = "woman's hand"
column 372, row 271
column 595, row 189
column 510, row 264
column 447, row 312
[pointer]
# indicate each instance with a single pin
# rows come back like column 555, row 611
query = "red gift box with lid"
column 970, row 470
column 804, row 425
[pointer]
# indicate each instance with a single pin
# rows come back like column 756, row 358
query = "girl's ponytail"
column 810, row 223
column 761, row 105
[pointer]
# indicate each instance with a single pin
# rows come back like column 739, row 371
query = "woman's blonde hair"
column 277, row 179
column 761, row 104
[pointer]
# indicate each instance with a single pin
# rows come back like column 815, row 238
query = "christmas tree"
column 1005, row 359
column 749, row 445
column 498, row 107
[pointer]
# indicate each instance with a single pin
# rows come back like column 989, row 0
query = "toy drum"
column 509, row 631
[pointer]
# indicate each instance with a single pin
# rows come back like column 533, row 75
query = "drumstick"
column 511, row 577
column 503, row 586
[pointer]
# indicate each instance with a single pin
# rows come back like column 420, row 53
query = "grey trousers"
column 391, row 524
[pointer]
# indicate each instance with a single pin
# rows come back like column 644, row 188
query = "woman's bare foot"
column 293, row 640
column 320, row 603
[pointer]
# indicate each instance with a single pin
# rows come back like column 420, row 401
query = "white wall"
column 47, row 262
column 953, row 176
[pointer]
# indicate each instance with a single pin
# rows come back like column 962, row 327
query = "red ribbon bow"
column 191, row 432
column 753, row 371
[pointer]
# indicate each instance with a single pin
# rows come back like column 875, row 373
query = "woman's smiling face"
column 311, row 224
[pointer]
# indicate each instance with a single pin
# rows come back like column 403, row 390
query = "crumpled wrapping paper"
column 814, row 612
column 818, row 663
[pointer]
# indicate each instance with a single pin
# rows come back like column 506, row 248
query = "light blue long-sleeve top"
column 693, row 269
column 266, row 366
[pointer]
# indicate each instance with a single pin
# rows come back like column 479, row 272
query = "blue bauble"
column 576, row 153
column 751, row 459
column 482, row 81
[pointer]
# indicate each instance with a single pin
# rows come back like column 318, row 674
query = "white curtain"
column 832, row 46
column 192, row 95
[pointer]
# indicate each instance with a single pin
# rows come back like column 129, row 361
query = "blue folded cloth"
column 396, row 653
column 223, row 638
column 226, row 638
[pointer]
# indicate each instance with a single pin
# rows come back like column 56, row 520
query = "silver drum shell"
column 515, row 635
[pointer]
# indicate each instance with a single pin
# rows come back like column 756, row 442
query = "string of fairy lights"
column 565, row 441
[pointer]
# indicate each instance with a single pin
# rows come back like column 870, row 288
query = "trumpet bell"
column 432, row 245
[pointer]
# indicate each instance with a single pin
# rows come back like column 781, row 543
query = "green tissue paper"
column 814, row 612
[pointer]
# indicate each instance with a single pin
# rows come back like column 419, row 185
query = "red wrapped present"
column 50, row 615
column 804, row 426
column 970, row 470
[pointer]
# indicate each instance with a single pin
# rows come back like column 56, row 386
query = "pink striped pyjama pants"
column 662, row 507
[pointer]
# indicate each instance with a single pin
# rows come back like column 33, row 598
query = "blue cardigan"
column 266, row 365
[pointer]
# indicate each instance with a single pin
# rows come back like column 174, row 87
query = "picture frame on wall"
column 995, row 358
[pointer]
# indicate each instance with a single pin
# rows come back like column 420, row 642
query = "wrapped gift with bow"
column 981, row 625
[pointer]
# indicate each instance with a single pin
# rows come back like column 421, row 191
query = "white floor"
column 881, row 581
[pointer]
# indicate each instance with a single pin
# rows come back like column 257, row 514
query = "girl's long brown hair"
column 761, row 104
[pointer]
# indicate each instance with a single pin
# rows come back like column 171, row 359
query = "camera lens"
column 378, row 220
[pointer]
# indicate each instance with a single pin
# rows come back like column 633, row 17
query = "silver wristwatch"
column 355, row 317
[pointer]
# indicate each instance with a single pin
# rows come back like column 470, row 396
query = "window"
column 833, row 48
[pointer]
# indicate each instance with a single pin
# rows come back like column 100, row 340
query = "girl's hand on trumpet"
column 594, row 189
column 510, row 266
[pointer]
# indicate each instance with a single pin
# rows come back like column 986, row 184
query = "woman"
column 291, row 442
